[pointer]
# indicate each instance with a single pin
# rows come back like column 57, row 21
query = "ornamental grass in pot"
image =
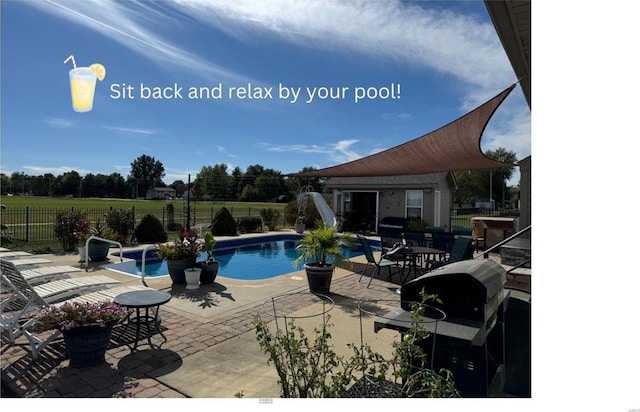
column 320, row 251
column 210, row 265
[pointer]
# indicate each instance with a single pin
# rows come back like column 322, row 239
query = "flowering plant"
column 186, row 246
column 71, row 315
column 82, row 231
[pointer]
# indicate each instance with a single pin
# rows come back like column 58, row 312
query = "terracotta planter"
column 319, row 278
column 98, row 251
column 209, row 272
column 176, row 270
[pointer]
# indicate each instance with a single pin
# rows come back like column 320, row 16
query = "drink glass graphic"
column 83, row 87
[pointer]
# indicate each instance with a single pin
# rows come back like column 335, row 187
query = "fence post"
column 27, row 226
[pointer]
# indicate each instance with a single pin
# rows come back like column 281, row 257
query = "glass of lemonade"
column 83, row 86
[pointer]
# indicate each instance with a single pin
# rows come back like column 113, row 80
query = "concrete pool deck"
column 211, row 351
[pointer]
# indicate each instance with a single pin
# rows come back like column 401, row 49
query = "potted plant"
column 210, row 265
column 81, row 233
column 320, row 251
column 299, row 225
column 85, row 326
column 181, row 255
column 98, row 249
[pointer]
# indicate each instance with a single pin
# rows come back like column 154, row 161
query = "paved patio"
column 211, row 351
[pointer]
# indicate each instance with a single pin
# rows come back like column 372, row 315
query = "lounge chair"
column 14, row 254
column 383, row 262
column 46, row 273
column 25, row 262
column 20, row 300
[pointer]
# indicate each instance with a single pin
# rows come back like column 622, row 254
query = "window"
column 414, row 204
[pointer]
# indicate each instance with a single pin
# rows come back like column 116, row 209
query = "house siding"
column 392, row 193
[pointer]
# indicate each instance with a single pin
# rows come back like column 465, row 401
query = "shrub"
column 270, row 217
column 150, row 230
column 67, row 224
column 223, row 223
column 121, row 223
column 416, row 225
column 249, row 224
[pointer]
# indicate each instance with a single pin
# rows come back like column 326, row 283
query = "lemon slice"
column 99, row 70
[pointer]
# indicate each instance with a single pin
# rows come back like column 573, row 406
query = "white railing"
column 142, row 269
column 85, row 262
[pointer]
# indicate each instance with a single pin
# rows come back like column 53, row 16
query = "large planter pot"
column 87, row 345
column 209, row 272
column 98, row 251
column 192, row 277
column 299, row 227
column 176, row 270
column 319, row 278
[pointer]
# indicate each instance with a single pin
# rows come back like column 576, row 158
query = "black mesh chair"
column 443, row 241
column 371, row 261
column 462, row 249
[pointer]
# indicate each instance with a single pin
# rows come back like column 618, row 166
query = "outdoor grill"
column 391, row 229
column 470, row 340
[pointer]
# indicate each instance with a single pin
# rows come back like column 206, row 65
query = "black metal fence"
column 32, row 228
column 462, row 217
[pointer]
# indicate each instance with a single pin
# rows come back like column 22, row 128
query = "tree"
column 474, row 184
column 147, row 172
column 295, row 183
column 235, row 183
column 214, row 181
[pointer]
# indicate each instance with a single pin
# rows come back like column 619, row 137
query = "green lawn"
column 95, row 203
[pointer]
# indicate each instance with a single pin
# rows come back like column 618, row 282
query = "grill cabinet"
column 470, row 341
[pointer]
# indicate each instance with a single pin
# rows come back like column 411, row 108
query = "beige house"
column 362, row 202
column 160, row 193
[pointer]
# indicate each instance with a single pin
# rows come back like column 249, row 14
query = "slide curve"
column 327, row 215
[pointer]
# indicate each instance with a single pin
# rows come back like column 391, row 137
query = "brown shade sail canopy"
column 455, row 146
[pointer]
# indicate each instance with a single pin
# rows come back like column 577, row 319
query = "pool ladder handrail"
column 85, row 262
column 142, row 269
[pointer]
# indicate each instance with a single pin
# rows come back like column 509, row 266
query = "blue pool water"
column 243, row 259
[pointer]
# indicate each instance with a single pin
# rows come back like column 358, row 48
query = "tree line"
column 255, row 184
column 216, row 182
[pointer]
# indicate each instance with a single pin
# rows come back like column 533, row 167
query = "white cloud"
column 129, row 130
column 56, row 171
column 59, row 122
column 138, row 26
column 417, row 33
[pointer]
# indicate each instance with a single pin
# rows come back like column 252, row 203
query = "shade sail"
column 455, row 146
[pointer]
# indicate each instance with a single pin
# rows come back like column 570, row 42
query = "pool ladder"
column 142, row 269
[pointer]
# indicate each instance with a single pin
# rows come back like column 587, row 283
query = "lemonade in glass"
column 83, row 86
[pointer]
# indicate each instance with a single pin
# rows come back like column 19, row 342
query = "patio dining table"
column 412, row 254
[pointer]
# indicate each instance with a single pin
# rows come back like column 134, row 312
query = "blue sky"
column 441, row 59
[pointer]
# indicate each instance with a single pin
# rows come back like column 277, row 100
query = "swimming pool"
column 243, row 259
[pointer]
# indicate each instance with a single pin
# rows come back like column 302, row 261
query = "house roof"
column 455, row 146
column 384, row 182
column 512, row 21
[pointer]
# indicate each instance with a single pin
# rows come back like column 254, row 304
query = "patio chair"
column 371, row 261
column 443, row 241
column 21, row 300
column 416, row 239
column 462, row 250
column 461, row 231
